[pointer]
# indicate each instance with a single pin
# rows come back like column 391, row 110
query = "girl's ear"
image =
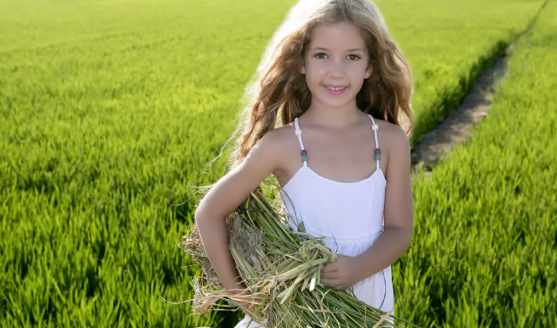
column 369, row 70
column 303, row 70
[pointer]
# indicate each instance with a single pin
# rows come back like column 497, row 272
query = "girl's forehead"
column 338, row 36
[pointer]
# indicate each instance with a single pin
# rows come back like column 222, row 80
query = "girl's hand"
column 342, row 274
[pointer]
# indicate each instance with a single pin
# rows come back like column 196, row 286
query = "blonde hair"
column 279, row 90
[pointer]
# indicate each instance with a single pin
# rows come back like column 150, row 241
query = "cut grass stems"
column 281, row 268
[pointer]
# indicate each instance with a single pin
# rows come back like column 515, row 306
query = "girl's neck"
column 336, row 118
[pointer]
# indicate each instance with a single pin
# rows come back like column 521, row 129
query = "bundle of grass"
column 281, row 268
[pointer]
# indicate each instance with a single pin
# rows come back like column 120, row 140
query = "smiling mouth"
column 335, row 88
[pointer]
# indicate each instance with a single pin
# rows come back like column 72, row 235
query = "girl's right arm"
column 226, row 195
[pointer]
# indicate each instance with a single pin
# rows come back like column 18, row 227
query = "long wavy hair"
column 279, row 90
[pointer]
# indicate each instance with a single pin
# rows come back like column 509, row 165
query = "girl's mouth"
column 335, row 90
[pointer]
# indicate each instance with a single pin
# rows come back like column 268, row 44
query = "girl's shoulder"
column 394, row 142
column 284, row 147
column 280, row 136
column 279, row 141
column 390, row 132
column 386, row 126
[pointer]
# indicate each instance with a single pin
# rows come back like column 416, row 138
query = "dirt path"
column 458, row 125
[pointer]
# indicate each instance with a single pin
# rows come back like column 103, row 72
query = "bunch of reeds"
column 281, row 268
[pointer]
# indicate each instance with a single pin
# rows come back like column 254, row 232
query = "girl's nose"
column 337, row 69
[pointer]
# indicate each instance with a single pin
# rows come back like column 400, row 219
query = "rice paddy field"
column 110, row 110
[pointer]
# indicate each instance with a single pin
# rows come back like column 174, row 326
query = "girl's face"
column 336, row 64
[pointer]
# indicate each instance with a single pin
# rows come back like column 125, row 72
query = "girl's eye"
column 324, row 56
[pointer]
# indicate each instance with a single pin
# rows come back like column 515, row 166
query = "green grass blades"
column 109, row 110
column 280, row 290
column 448, row 44
column 484, row 253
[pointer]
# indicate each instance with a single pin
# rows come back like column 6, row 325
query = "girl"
column 340, row 86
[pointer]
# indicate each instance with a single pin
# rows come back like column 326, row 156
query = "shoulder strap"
column 377, row 154
column 299, row 134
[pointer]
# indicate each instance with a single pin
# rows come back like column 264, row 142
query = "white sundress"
column 349, row 214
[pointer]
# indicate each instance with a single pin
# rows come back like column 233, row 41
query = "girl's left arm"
column 398, row 212
column 346, row 271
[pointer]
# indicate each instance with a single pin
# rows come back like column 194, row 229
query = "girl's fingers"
column 328, row 275
column 328, row 269
column 330, row 282
column 334, row 285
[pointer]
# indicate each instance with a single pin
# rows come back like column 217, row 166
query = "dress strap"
column 375, row 127
column 303, row 150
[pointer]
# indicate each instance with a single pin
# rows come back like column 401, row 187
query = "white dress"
column 349, row 214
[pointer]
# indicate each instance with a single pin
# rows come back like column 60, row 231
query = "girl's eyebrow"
column 349, row 50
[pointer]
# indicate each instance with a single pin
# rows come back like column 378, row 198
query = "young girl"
column 340, row 86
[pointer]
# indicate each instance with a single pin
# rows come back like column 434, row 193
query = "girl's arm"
column 398, row 212
column 346, row 271
column 225, row 196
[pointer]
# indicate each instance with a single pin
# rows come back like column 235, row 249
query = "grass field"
column 109, row 109
column 485, row 249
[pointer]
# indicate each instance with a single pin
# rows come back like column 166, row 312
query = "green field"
column 485, row 247
column 109, row 110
